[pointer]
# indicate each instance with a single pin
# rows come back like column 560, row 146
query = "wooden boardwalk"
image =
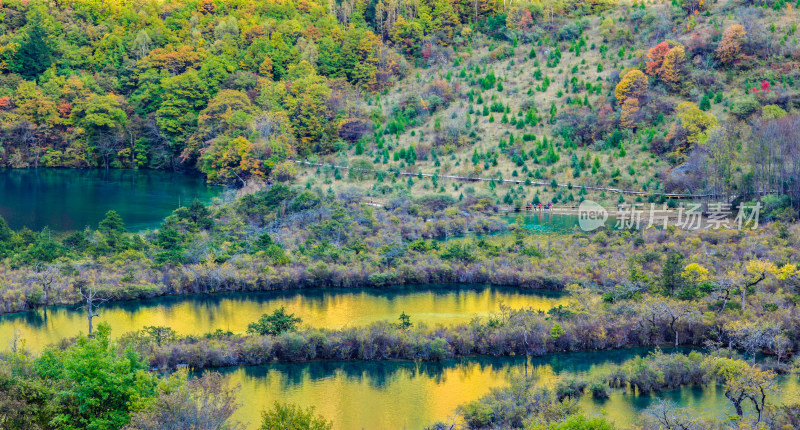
column 612, row 212
column 517, row 182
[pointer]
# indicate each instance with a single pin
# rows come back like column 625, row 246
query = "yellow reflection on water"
column 318, row 308
column 403, row 395
column 407, row 399
column 396, row 395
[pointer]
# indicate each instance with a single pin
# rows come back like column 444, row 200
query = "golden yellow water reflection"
column 319, row 308
column 404, row 395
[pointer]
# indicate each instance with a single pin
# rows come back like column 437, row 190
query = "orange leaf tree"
column 666, row 62
column 730, row 48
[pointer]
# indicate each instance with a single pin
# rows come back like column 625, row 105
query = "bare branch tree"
column 92, row 296
column 666, row 415
column 205, row 403
column 48, row 277
column 16, row 340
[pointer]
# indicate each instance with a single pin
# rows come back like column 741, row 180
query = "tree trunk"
column 724, row 302
column 744, row 293
column 737, row 404
column 674, row 330
column 760, row 406
column 89, row 316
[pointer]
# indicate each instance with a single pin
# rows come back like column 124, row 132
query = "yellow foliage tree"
column 695, row 273
column 233, row 159
column 742, row 382
column 629, row 108
column 754, row 272
column 633, row 84
column 695, row 121
column 284, row 171
column 265, row 69
column 757, row 270
column 670, row 72
column 773, row 112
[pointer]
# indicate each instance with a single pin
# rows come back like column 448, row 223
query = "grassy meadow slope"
column 542, row 106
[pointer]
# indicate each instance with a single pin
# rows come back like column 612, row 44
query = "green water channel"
column 71, row 199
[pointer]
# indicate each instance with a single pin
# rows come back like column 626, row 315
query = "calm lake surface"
column 330, row 308
column 71, row 199
column 371, row 395
column 543, row 222
column 407, row 395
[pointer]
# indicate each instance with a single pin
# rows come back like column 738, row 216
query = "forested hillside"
column 182, row 83
column 688, row 97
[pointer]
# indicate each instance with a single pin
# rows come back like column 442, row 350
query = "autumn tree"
column 233, row 159
column 268, row 144
column 408, row 35
column 671, row 67
column 694, row 121
column 207, row 7
column 35, row 106
column 629, row 110
column 173, row 60
column 228, row 111
column 519, row 19
column 632, row 85
column 656, row 56
column 305, row 103
column 694, row 274
column 742, row 382
column 730, row 47
column 666, row 61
